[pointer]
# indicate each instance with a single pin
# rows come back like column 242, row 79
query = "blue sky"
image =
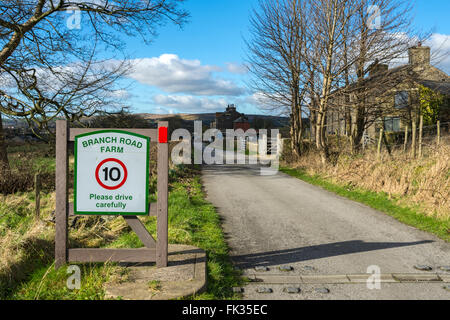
column 433, row 14
column 199, row 68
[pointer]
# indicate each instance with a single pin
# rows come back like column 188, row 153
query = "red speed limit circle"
column 112, row 173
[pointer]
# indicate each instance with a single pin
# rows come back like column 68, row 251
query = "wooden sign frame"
column 154, row 251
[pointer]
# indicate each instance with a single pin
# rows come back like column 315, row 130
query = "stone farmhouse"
column 390, row 97
column 230, row 119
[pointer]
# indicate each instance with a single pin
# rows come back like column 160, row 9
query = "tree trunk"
column 295, row 131
column 318, row 131
column 359, row 123
column 292, row 134
column 296, row 121
column 321, row 144
column 4, row 163
column 348, row 122
column 312, row 126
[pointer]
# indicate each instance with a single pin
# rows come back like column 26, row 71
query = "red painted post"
column 163, row 183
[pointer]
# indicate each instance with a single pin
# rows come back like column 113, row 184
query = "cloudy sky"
column 199, row 68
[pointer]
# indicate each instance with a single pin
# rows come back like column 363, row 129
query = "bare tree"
column 275, row 60
column 338, row 45
column 295, row 58
column 48, row 69
column 375, row 43
column 326, row 34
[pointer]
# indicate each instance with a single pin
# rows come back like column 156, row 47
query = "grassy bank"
column 411, row 215
column 27, row 244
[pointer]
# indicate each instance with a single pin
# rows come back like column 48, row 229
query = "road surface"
column 280, row 221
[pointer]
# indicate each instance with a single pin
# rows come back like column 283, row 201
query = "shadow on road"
column 315, row 252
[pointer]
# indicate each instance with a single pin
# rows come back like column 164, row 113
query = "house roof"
column 438, row 86
column 241, row 119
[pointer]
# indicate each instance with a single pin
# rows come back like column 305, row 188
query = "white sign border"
column 86, row 213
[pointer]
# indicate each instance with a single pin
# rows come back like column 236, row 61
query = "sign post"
column 112, row 178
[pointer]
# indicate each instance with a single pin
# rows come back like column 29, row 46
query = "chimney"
column 378, row 68
column 419, row 56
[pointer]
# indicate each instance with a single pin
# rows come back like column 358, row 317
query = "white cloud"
column 440, row 50
column 120, row 94
column 236, row 68
column 174, row 75
column 189, row 103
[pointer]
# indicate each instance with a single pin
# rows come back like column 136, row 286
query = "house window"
column 391, row 124
column 401, row 99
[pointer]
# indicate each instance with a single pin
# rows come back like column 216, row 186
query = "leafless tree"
column 382, row 33
column 275, row 60
column 295, row 58
column 49, row 69
column 338, row 45
column 326, row 35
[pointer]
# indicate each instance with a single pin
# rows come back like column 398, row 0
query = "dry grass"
column 20, row 252
column 27, row 243
column 423, row 182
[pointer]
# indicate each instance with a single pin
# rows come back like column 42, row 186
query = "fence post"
column 61, row 187
column 438, row 132
column 163, row 181
column 405, row 143
column 337, row 139
column 379, row 142
column 413, row 138
column 37, row 192
column 420, row 135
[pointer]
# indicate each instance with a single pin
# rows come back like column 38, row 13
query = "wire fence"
column 417, row 141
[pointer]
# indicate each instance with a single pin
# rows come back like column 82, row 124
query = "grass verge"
column 192, row 221
column 380, row 201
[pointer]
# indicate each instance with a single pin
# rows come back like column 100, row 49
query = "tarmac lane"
column 312, row 240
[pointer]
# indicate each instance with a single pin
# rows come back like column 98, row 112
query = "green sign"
column 111, row 173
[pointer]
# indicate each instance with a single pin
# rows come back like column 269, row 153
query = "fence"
column 414, row 141
column 417, row 141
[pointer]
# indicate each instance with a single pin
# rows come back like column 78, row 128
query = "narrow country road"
column 273, row 221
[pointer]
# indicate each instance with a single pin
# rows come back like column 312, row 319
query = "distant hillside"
column 207, row 118
column 186, row 119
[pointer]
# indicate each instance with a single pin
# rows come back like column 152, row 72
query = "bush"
column 25, row 162
column 21, row 181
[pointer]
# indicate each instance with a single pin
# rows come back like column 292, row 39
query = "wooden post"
column 162, row 215
column 37, row 195
column 438, row 132
column 337, row 139
column 420, row 135
column 413, row 138
column 379, row 143
column 405, row 143
column 61, row 178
